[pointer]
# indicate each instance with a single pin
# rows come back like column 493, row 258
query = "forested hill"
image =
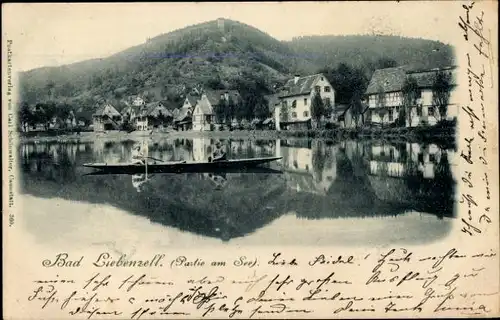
column 217, row 55
column 363, row 51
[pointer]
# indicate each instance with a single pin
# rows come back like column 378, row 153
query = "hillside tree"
column 357, row 108
column 441, row 91
column 317, row 109
column 230, row 110
column 220, row 111
column 411, row 93
column 25, row 117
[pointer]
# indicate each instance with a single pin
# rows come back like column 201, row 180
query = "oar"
column 161, row 160
column 156, row 159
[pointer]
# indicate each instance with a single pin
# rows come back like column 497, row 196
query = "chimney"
column 296, row 79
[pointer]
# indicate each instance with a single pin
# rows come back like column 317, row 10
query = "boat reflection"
column 315, row 180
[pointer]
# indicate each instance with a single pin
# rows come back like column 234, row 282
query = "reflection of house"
column 105, row 118
column 385, row 96
column 410, row 159
column 387, row 160
column 296, row 98
column 310, row 170
column 202, row 149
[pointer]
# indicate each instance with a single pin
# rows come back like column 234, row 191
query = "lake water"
column 349, row 193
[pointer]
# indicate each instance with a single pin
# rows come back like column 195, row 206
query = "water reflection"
column 320, row 180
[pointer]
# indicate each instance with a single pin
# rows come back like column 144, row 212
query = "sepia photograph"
column 225, row 127
column 357, row 131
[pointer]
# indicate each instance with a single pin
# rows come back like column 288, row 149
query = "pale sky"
column 56, row 34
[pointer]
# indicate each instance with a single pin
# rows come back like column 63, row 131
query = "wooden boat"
column 179, row 167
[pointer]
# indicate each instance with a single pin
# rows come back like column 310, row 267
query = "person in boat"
column 138, row 181
column 138, row 155
column 219, row 154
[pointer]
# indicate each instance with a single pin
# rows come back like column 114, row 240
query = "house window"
column 285, row 103
column 391, row 115
column 430, row 110
column 294, row 104
column 421, row 157
column 305, row 101
column 327, row 89
column 419, row 111
column 432, row 158
column 321, row 78
column 317, row 89
column 294, row 114
column 306, row 114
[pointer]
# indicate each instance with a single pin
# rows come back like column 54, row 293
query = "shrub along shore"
column 437, row 134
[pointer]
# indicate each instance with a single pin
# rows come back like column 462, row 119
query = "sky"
column 57, row 34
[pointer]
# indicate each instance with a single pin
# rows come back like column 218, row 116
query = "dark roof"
column 192, row 99
column 214, row 96
column 182, row 114
column 387, row 80
column 154, row 108
column 106, row 109
column 302, row 86
column 392, row 79
column 425, row 79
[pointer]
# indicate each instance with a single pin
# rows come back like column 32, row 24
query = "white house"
column 296, row 98
column 385, row 96
column 204, row 112
column 138, row 101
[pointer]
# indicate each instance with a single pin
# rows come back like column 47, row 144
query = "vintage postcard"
column 250, row 160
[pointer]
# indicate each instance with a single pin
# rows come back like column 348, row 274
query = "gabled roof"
column 393, row 79
column 154, row 109
column 425, row 79
column 303, row 85
column 386, row 80
column 130, row 109
column 204, row 104
column 182, row 114
column 106, row 109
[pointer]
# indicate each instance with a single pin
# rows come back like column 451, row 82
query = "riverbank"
column 441, row 135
